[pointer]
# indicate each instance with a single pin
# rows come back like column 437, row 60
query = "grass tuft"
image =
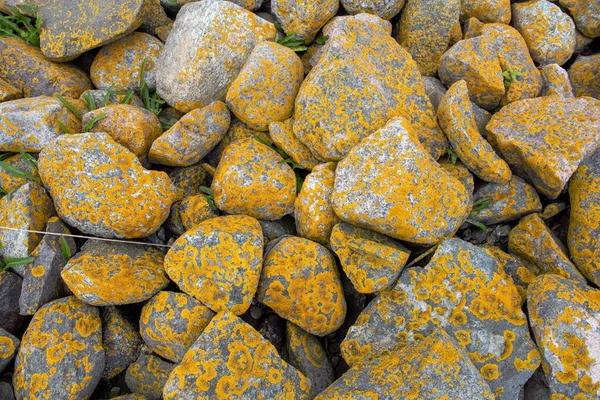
column 70, row 106
column 66, row 251
column 291, row 42
column 153, row 102
column 92, row 121
column 22, row 26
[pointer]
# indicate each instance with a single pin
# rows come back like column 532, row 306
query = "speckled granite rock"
column 237, row 130
column 8, row 91
column 435, row 90
column 584, row 74
column 188, row 180
column 148, row 375
column 8, row 348
column 522, row 272
column 460, row 172
column 120, row 339
column 303, row 17
column 586, row 16
column 10, row 289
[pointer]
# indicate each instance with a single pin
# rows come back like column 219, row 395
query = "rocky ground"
column 366, row 199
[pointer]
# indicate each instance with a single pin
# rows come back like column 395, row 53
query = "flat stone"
column 282, row 135
column 486, row 10
column 61, row 354
column 388, row 183
column 304, row 18
column 585, row 14
column 522, row 272
column 148, row 375
column 275, row 229
column 8, row 349
column 10, row 290
column 120, row 339
column 555, row 81
column 386, row 9
column 584, row 74
column 8, row 91
column 553, row 209
column 100, row 188
column 10, row 182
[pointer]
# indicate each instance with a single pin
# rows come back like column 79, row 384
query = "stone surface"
column 251, row 5
column 121, row 341
column 435, row 90
column 148, row 375
column 555, row 81
column 6, row 391
column 584, row 74
column 303, row 17
column 522, row 272
column 9, row 181
column 188, row 180
column 386, row 9
column 89, row 174
column 8, row 91
column 237, row 130
column 486, row 10
column 586, row 15
column 10, row 289
column 8, row 348
column 193, row 210
column 460, row 172
column 102, row 97
column 282, row 135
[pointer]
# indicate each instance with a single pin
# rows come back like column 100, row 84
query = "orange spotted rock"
column 388, row 183
column 586, row 15
column 192, row 137
column 8, row 348
column 10, row 288
column 72, row 28
column 457, row 120
column 522, row 272
column 303, row 17
column 174, row 5
column 581, row 42
column 251, row 5
column 386, row 9
column 188, row 180
column 545, row 139
column 232, row 360
column 371, row 261
column 435, row 90
column 206, row 49
column 120, row 340
column 100, row 188
column 133, row 127
column 486, row 10
column 533, row 241
column 148, row 375
column 219, row 262
column 434, row 368
column 465, row 291
column 555, row 81
column 9, row 181
column 553, row 209
column 584, row 74
column 61, row 354
column 363, row 79
column 5, row 4
column 103, row 98
column 194, row 210
column 119, row 63
column 8, row 91
column 131, row 396
column 300, row 282
column 157, row 21
column 107, row 273
column 253, row 179
column 473, row 28
column 237, row 130
column 282, row 135
column 460, row 172
column 171, row 322
column 564, row 319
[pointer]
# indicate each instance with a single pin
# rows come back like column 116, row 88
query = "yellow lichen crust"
column 237, row 130
column 564, row 318
column 473, row 28
column 521, row 271
column 282, row 134
column 385, row 9
column 253, row 179
column 73, row 27
column 157, row 21
column 300, row 282
column 188, row 180
column 230, row 360
column 10, row 182
column 148, row 375
column 8, row 348
column 219, row 262
column 120, row 339
column 8, row 91
column 465, row 291
column 460, row 172
column 486, row 10
column 304, row 17
column 586, row 15
column 192, row 137
column 101, row 188
column 388, row 183
column 171, row 322
column 251, row 5
column 107, row 273
column 584, row 74
column 371, row 261
column 193, row 210
column 61, row 354
column 556, row 81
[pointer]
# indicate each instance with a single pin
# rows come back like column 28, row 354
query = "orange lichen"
column 486, row 10
column 304, row 17
column 8, row 91
column 584, row 74
column 10, row 182
column 193, row 210
column 282, row 135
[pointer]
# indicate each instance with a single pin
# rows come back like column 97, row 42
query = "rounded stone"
column 282, row 135
column 195, row 209
column 584, row 74
column 460, row 172
column 303, row 17
column 386, row 9
column 8, row 349
column 148, row 375
column 486, row 10
column 555, row 81
column 120, row 340
column 585, row 14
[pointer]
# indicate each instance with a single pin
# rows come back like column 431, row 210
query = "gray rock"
column 303, row 18
column 120, row 339
column 555, row 81
column 188, row 180
column 6, row 391
column 536, row 387
column 278, row 228
column 8, row 349
column 10, row 290
column 435, row 90
column 148, row 375
column 584, row 74
column 99, row 97
column 585, row 14
column 385, row 9
column 273, row 328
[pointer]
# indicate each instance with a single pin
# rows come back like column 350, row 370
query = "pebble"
column 120, row 339
column 10, row 289
column 584, row 75
column 304, row 18
column 148, row 375
column 9, row 345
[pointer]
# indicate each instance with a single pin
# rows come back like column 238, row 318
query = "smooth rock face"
column 545, row 139
column 389, row 184
column 304, row 17
column 61, row 354
column 232, row 360
column 10, row 289
column 283, row 136
column 8, row 349
column 120, row 339
column 385, row 9
column 586, row 15
column 584, row 74
column 101, row 188
column 148, row 375
column 205, row 51
column 486, row 10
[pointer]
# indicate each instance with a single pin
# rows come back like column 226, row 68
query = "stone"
column 69, row 29
column 553, row 209
column 584, row 74
column 581, row 42
column 435, row 90
column 219, row 262
column 108, row 273
column 425, row 31
column 61, row 354
column 253, row 179
column 533, row 241
column 26, row 68
column 8, row 91
column 119, row 64
column 465, row 291
column 349, row 94
column 157, row 21
column 388, row 183
column 548, row 32
column 370, row 260
column 131, row 396
column 301, row 283
column 282, row 135
column 120, row 340
column 433, row 368
column 265, row 89
column 90, row 174
column 473, row 28
column 303, row 17
column 555, row 81
column 188, row 180
column 275, row 229
column 548, row 151
column 251, row 5
column 232, row 360
column 457, row 120
column 386, row 9
column 272, row 328
column 171, row 322
column 10, row 182
column 174, row 6
column 585, row 14
column 10, row 290
column 460, row 172
column 195, row 209
column 133, row 127
column 237, row 130
column 192, row 137
column 563, row 315
column 205, row 51
column 522, row 272
column 148, row 375
column 6, row 391
column 8, row 348
column 486, row 10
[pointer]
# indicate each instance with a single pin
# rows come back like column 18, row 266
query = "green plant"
column 92, row 121
column 292, row 43
column 22, row 26
column 18, row 173
column 479, row 205
column 166, row 125
column 64, row 247
column 11, row 262
column 63, row 127
column 27, row 157
column 510, row 76
column 452, row 154
column 321, row 39
column 70, row 106
column 209, row 197
column 127, row 97
column 297, row 168
column 90, row 101
column 153, row 102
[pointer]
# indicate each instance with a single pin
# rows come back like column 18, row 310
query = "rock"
column 531, row 149
column 472, row 27
column 118, row 64
column 253, row 179
column 132, row 396
column 10, row 182
column 522, row 272
column 237, row 130
column 348, row 94
column 272, row 328
column 300, row 282
column 370, row 260
column 275, row 229
column 8, row 91
column 585, row 14
column 89, row 174
column 26, row 68
column 192, row 137
column 548, row 32
column 563, row 315
column 584, row 74
column 148, row 375
column 108, row 273
column 553, row 209
column 460, row 172
column 425, row 31
column 242, row 364
column 61, row 354
column 388, row 183
column 10, row 290
column 386, row 9
column 533, row 241
column 536, row 387
column 133, row 127
column 282, row 135
column 486, row 10
column 435, row 90
column 195, row 209
column 251, row 5
column 157, row 21
column 555, row 81
column 8, row 349
column 120, row 340
column 171, row 322
column 581, row 42
column 33, row 123
column 174, row 6
column 205, row 51
column 188, row 180
column 304, row 18
column 70, row 29
column 429, row 370
column 6, row 391
column 457, row 120
column 219, row 262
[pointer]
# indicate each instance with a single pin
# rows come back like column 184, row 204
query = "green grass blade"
column 17, row 262
column 70, row 106
column 89, row 101
column 66, row 251
column 209, row 196
column 63, row 127
column 477, row 224
column 16, row 172
column 109, row 92
column 481, row 204
column 92, row 121
column 127, row 98
column 27, row 157
column 322, row 39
